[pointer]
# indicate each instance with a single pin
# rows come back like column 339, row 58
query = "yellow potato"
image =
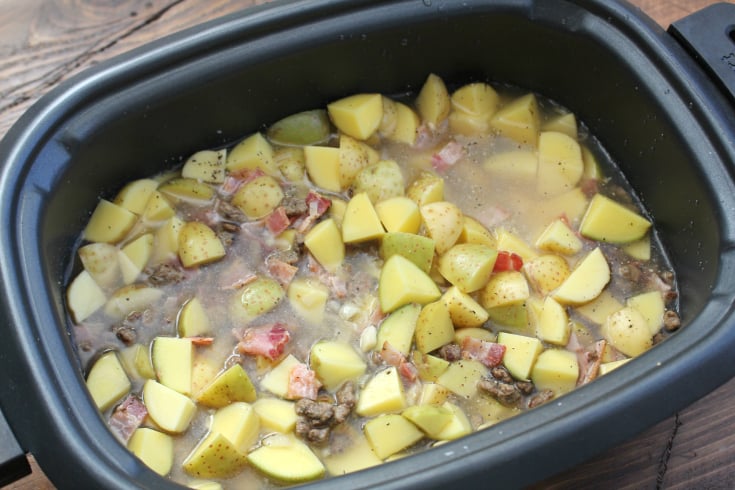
column 192, row 320
column 256, row 298
column 560, row 164
column 276, row 414
column 399, row 214
column 336, row 362
column 609, row 221
column 477, row 99
column 433, row 101
column 504, row 289
column 383, row 393
column 556, row 370
column 239, row 423
column 323, row 167
column 553, row 323
column 291, row 161
column 153, row 448
column 206, row 166
column 357, row 115
column 199, row 245
column 426, row 189
column 407, row 125
column 84, row 297
column 361, row 222
column 398, row 328
column 107, row 381
column 109, row 223
column 431, row 419
column 127, row 299
column 324, row 242
column 168, row 408
column 468, row 265
column 259, row 197
column 214, row 457
column 546, row 272
column 463, row 309
column 353, row 157
column 172, row 361
column 183, row 189
column 302, row 464
column 252, row 153
column 559, row 238
column 444, row 222
column 135, row 195
column 231, row 386
column 627, row 330
column 461, row 377
column 521, row 353
column 519, row 120
column 587, row 280
column 382, row 180
column 563, row 123
column 434, row 327
column 402, row 282
column 391, row 433
column 135, row 256
column 308, row 298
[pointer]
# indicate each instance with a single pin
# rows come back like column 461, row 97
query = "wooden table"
column 44, row 42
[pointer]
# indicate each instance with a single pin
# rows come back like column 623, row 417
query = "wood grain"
column 45, row 42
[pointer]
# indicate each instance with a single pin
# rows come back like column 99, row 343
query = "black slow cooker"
column 657, row 101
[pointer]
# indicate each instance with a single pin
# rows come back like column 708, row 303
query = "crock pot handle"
column 13, row 462
column 709, row 36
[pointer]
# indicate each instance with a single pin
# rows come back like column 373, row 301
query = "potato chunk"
column 468, row 265
column 433, row 100
column 324, row 241
column 560, row 164
column 628, row 331
column 171, row 410
column 154, row 448
column 232, row 385
column 357, row 115
column 609, row 221
column 109, row 223
column 361, row 222
column 391, row 433
column 252, row 153
column 519, row 120
column 259, row 197
column 301, row 464
column 107, row 381
column 84, row 296
column 336, row 362
column 383, row 393
column 402, row 282
column 214, row 457
column 199, row 245
column 444, row 222
column 556, row 370
column 587, row 280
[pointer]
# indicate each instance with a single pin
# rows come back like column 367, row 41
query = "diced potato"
column 187, row 190
column 553, row 323
column 513, row 315
column 458, row 426
column 504, row 289
column 426, row 189
column 628, row 331
column 478, row 99
column 337, row 211
column 391, row 433
column 511, row 242
column 587, row 280
column 135, row 195
column 468, row 124
column 109, row 223
column 515, row 166
column 127, row 299
column 203, row 370
column 599, row 308
column 252, row 153
column 357, row 115
column 172, row 361
column 206, row 166
column 571, row 204
column 560, row 163
column 429, row 367
column 416, row 248
column 431, row 419
column 399, row 214
column 259, row 197
column 204, row 485
column 166, row 243
column 308, row 298
column 383, row 393
column 380, row 181
column 651, row 306
column 473, row 332
column 468, row 265
column 639, row 249
column 168, row 408
column 239, row 423
column 402, row 282
column 336, row 362
column 276, row 414
column 475, row 232
column 592, row 169
column 444, row 222
column 101, row 261
column 192, row 320
column 463, row 309
column 433, row 393
column 434, row 327
column 84, row 297
column 158, row 208
column 232, row 385
column 559, row 238
column 137, row 361
column 609, row 221
column 361, row 222
column 521, row 353
column 563, row 123
column 107, row 381
column 546, row 272
column 407, row 125
column 519, row 120
column 358, row 456
column 256, row 298
column 291, row 161
column 324, row 242
column 276, row 380
column 433, row 101
column 353, row 157
column 556, row 370
column 461, row 377
column 606, row 367
column 199, row 245
column 303, row 128
column 155, row 449
column 323, row 166
column 398, row 328
column 302, row 464
column 214, row 457
column 390, row 118
column 136, row 255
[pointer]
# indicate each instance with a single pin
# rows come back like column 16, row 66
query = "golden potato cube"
column 199, row 245
column 206, row 166
column 461, row 377
column 276, row 414
column 135, row 256
column 256, row 298
column 324, row 242
column 383, row 393
column 546, row 272
column 609, row 221
column 429, row 367
column 214, row 457
column 651, row 306
column 107, row 381
column 291, row 161
column 357, row 115
column 560, row 164
column 518, row 166
column 308, row 298
column 599, row 308
column 559, row 238
column 515, row 315
column 127, row 299
column 259, row 197
column 357, row 456
column 391, row 433
column 468, row 124
column 519, row 120
column 203, row 371
column 416, row 248
column 433, row 101
column 158, row 208
column 302, row 128
column 402, row 282
column 101, row 261
column 168, row 408
column 276, row 380
column 606, row 367
column 183, row 189
column 172, row 361
column 155, row 449
column 390, row 117
column 433, row 393
column 84, row 297
column 556, row 370
column 639, row 249
column 553, row 323
column 323, row 166
column 444, row 222
column 230, row 386
column 426, row 189
column 504, row 289
column 587, row 280
column 166, row 243
column 336, row 362
column 239, row 423
column 476, row 98
column 407, row 125
column 431, row 419
column 458, row 426
column 511, row 242
column 399, row 214
column 109, row 223
column 252, row 153
column 520, row 355
column 434, row 327
column 627, row 330
column 463, row 309
column 135, row 195
column 475, row 232
column 592, row 169
column 353, row 157
column 398, row 328
column 468, row 265
column 563, row 123
column 361, row 222
column 137, row 362
column 192, row 320
column 380, row 181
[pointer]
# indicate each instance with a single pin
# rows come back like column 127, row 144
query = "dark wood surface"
column 43, row 42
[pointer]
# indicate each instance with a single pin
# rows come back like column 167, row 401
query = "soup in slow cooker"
column 359, row 282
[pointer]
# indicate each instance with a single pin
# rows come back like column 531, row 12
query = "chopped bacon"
column 394, row 357
column 281, row 271
column 488, row 353
column 408, row 370
column 237, row 179
column 317, row 206
column 445, row 158
column 302, row 383
column 202, row 341
column 589, row 187
column 277, row 221
column 507, row 261
column 127, row 417
column 267, row 341
column 590, row 362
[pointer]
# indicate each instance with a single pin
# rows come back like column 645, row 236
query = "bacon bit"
column 281, row 271
column 277, row 221
column 508, row 261
column 445, row 158
column 267, row 341
column 317, row 205
column 127, row 417
column 488, row 353
column 589, row 187
column 408, row 370
column 394, row 357
column 302, row 383
column 231, row 185
column 202, row 341
column 590, row 363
